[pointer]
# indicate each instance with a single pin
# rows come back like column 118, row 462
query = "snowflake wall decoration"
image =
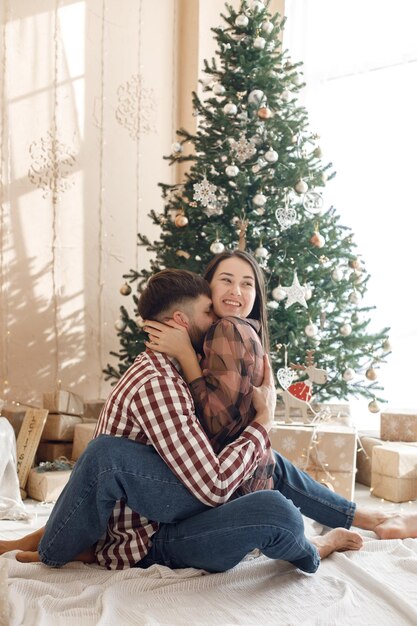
column 136, row 108
column 51, row 165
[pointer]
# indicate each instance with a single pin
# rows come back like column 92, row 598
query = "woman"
column 232, row 363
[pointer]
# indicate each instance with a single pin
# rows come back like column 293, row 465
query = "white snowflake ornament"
column 205, row 192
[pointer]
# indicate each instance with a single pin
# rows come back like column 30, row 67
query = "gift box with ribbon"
column 326, row 450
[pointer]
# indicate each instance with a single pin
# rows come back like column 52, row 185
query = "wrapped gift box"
column 399, row 425
column 62, row 401
column 83, row 434
column 394, row 472
column 15, row 414
column 366, row 443
column 46, row 486
column 52, row 450
column 60, row 427
column 92, row 408
column 327, row 451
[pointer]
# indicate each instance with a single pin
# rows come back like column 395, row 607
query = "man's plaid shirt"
column 232, row 366
column 152, row 404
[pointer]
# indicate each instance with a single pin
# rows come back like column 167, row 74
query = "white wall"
column 62, row 255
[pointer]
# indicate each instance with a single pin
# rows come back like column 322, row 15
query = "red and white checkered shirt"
column 152, row 404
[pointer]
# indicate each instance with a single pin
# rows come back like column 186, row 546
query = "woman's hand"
column 170, row 338
column 264, row 398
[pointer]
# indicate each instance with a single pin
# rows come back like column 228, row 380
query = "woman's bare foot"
column 398, row 526
column 337, row 540
column 31, row 556
column 27, row 543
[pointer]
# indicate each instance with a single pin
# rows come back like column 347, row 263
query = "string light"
column 4, row 222
column 101, row 234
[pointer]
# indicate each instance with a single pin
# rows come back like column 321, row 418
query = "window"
column 360, row 66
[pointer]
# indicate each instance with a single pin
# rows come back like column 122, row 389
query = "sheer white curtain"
column 360, row 66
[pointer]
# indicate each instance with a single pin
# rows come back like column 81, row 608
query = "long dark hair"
column 259, row 308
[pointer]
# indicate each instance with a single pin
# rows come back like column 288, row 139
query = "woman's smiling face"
column 233, row 290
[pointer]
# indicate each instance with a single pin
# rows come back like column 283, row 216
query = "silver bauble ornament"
column 271, row 156
column 348, row 374
column 120, row 325
column 230, row 109
column 337, row 274
column 386, row 346
column 218, row 89
column 232, row 171
column 286, row 95
column 257, row 6
column 267, row 26
column 217, row 247
column 259, row 43
column 279, row 294
column 259, row 199
column 354, row 297
column 311, row 330
column 308, row 293
column 345, row 329
column 125, row 289
column 241, row 20
column 301, row 186
column 176, row 147
column 261, row 253
column 256, row 96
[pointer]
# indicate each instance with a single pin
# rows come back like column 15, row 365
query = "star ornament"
column 295, row 293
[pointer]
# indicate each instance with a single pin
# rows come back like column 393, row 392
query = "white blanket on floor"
column 374, row 586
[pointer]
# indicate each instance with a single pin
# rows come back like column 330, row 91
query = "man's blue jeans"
column 191, row 534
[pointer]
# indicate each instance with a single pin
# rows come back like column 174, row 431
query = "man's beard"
column 196, row 337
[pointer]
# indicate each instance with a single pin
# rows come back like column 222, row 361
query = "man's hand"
column 170, row 338
column 265, row 398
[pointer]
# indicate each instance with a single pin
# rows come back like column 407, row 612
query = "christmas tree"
column 255, row 182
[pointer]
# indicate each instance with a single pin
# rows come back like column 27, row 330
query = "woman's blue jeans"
column 191, row 534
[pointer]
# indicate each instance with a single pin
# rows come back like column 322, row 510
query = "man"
column 178, row 483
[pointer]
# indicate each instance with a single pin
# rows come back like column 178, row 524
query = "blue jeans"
column 191, row 534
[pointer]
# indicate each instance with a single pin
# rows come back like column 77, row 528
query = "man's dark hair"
column 168, row 289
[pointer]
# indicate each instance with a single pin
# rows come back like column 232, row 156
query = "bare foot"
column 30, row 556
column 398, row 526
column 337, row 540
column 27, row 543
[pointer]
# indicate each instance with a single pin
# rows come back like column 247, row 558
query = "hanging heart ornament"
column 286, row 217
column 285, row 376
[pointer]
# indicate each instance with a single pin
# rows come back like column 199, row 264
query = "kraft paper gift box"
column 52, row 450
column 367, row 441
column 394, row 472
column 46, row 486
column 83, row 434
column 62, row 401
column 15, row 414
column 327, row 451
column 92, row 408
column 399, row 425
column 59, row 427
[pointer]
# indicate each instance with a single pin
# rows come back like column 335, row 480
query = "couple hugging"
column 181, row 471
